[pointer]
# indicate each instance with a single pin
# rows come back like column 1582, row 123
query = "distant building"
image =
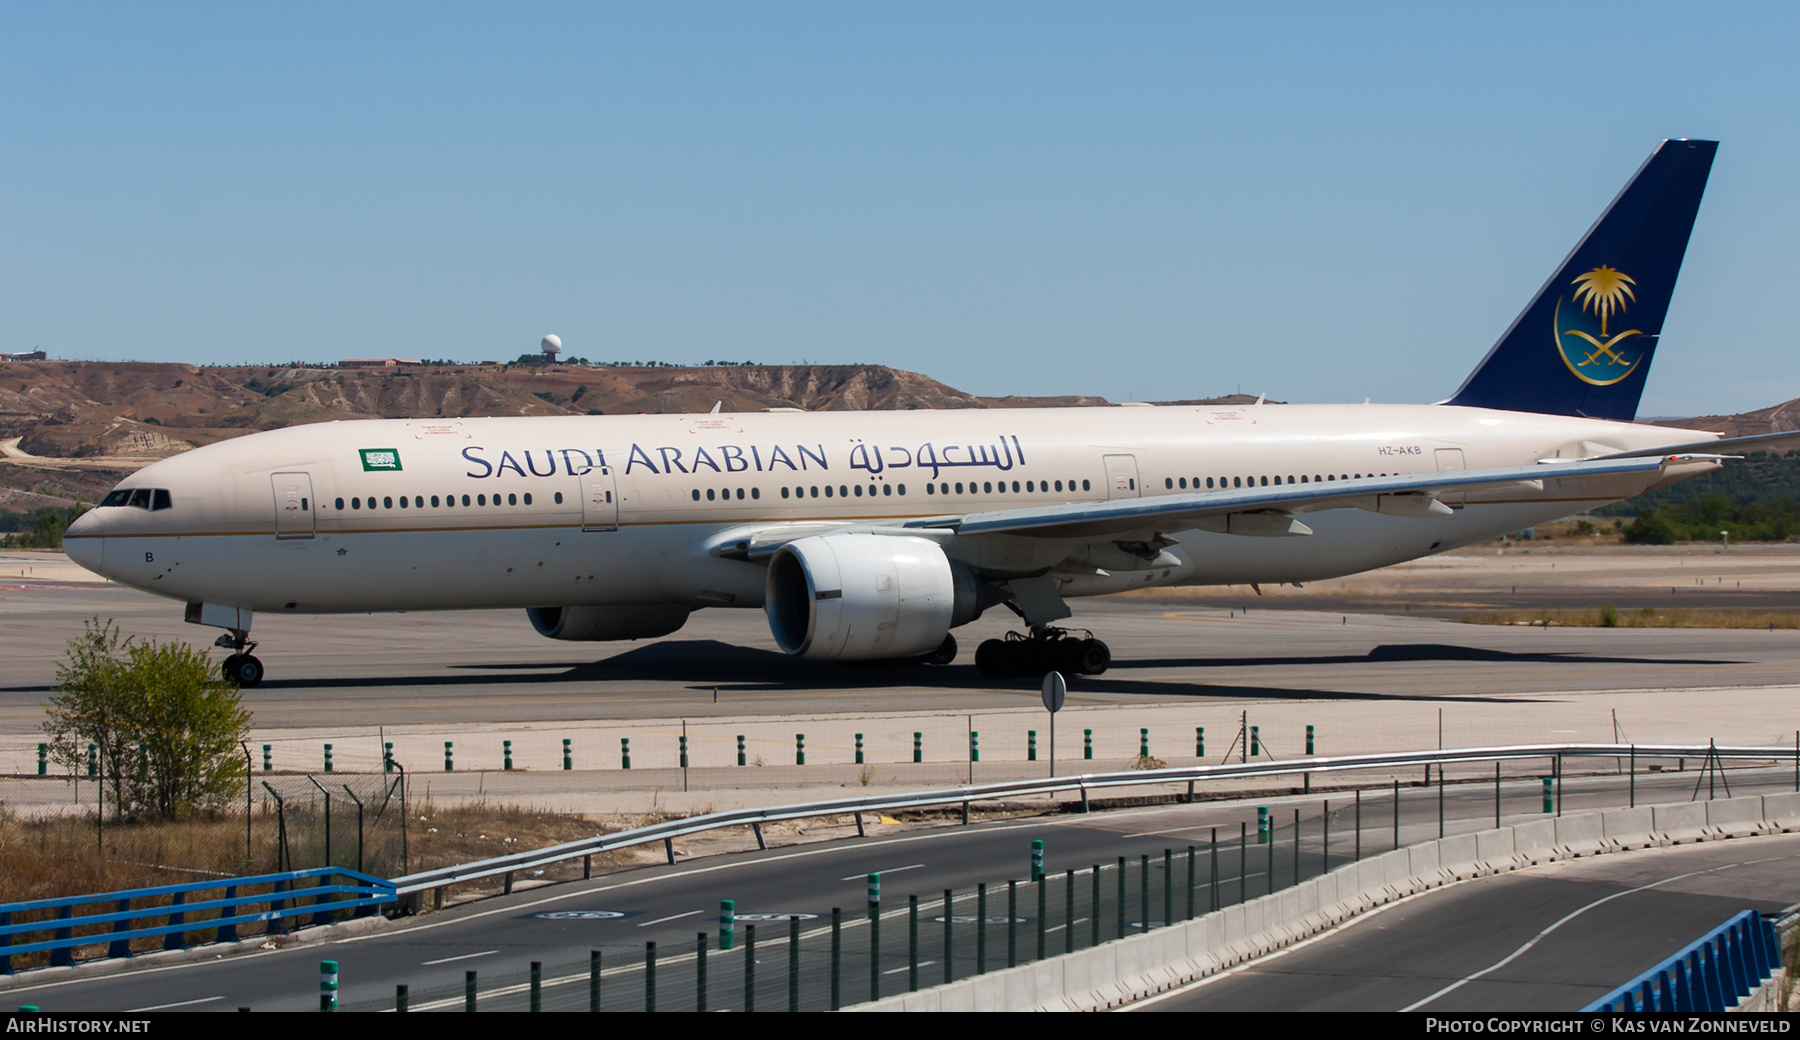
column 376, row 362
column 35, row 355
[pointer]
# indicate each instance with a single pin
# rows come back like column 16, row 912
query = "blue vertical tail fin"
column 1583, row 345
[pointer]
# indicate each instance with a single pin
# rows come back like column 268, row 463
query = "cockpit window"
column 142, row 498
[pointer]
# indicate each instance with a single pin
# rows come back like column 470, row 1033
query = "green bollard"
column 974, row 745
column 568, row 755
column 624, row 752
column 387, row 757
column 93, row 762
column 799, row 749
column 684, row 764
column 1255, row 741
column 727, row 924
column 918, row 746
column 740, row 749
column 859, row 749
column 1199, row 741
column 1037, row 859
column 328, row 985
column 506, row 754
column 328, row 758
column 1309, row 740
column 449, row 752
column 469, row 990
column 537, row 986
column 1031, row 745
column 1549, row 794
column 1262, row 825
column 1087, row 743
column 1144, row 743
column 43, row 759
column 268, row 759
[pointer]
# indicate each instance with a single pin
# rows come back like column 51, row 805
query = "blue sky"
column 1323, row 202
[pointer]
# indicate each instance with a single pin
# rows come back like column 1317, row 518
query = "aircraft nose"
column 84, row 544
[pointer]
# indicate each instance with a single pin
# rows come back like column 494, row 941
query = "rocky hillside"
column 70, row 430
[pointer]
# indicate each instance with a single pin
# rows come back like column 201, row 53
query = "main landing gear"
column 1044, row 650
column 240, row 667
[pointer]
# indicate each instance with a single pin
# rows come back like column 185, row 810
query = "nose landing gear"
column 240, row 667
column 1046, row 649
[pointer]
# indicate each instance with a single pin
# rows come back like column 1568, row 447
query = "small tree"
column 163, row 697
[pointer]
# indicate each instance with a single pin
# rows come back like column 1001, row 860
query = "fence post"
column 1069, row 910
column 874, row 936
column 837, row 956
column 949, row 935
column 594, row 981
column 749, row 967
column 1012, row 924
column 649, row 976
column 700, row 972
column 469, row 990
column 1043, row 901
column 400, row 998
column 793, row 964
column 912, row 944
column 981, row 928
column 537, row 986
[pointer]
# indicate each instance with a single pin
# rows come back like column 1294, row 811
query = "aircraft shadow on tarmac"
column 707, row 664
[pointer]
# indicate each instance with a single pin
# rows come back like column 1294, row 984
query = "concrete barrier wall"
column 1139, row 966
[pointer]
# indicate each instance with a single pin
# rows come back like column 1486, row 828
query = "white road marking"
column 883, row 873
column 675, row 917
column 461, row 957
column 182, row 1003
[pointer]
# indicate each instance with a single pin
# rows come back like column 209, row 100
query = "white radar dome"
column 552, row 343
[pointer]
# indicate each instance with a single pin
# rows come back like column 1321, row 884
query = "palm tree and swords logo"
column 1596, row 356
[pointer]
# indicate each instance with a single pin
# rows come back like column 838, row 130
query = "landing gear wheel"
column 249, row 671
column 944, row 654
column 242, row 669
column 1051, row 649
column 1092, row 657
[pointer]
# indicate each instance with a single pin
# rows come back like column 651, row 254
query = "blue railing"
column 288, row 896
column 1713, row 973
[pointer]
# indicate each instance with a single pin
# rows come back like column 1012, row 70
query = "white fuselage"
column 371, row 515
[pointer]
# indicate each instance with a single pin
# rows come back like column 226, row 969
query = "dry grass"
column 1646, row 617
column 63, row 856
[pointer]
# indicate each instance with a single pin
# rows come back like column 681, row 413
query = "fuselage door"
column 599, row 500
column 1121, row 476
column 293, row 505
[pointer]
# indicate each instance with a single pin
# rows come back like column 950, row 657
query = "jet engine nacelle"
column 633, row 621
column 865, row 597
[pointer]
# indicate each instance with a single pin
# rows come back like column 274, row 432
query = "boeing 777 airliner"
column 872, row 535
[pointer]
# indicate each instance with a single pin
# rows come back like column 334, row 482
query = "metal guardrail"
column 362, row 894
column 1713, row 973
column 1084, row 783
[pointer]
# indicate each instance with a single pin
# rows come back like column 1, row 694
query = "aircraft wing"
column 1267, row 508
column 1777, row 442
